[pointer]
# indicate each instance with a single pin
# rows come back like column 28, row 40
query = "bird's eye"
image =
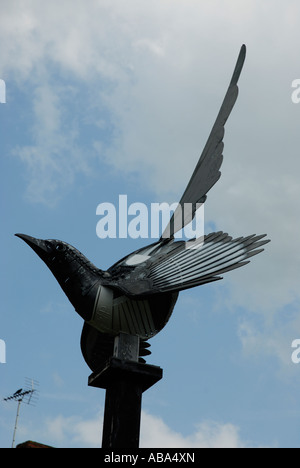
column 59, row 247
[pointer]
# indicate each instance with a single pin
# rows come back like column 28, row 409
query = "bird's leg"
column 126, row 347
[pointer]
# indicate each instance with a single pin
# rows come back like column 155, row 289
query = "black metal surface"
column 145, row 375
column 122, row 416
column 207, row 172
column 138, row 297
column 148, row 291
column 124, row 382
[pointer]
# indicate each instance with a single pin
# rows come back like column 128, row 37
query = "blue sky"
column 107, row 98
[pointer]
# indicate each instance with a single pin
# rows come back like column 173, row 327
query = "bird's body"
column 137, row 295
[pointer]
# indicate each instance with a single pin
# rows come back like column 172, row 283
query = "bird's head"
column 50, row 250
column 74, row 272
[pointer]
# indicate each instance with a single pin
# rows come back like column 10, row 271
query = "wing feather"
column 216, row 256
column 173, row 267
column 207, row 171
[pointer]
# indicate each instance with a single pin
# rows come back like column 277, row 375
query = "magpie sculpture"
column 137, row 295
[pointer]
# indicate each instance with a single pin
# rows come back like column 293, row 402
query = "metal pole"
column 123, row 400
column 122, row 415
column 16, row 423
column 124, row 379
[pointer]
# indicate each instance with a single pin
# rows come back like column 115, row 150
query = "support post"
column 16, row 423
column 124, row 379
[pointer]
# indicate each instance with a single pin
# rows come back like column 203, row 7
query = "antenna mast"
column 28, row 395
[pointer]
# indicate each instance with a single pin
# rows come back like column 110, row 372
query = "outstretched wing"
column 175, row 266
column 207, row 172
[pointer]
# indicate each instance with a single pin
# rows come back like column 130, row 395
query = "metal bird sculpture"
column 137, row 295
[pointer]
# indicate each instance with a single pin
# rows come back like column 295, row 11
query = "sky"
column 118, row 98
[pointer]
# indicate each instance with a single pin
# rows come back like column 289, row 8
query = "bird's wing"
column 207, row 172
column 175, row 266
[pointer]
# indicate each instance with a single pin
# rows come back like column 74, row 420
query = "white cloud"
column 165, row 83
column 62, row 431
column 272, row 339
column 163, row 68
column 152, row 55
column 55, row 158
column 74, row 431
column 156, row 433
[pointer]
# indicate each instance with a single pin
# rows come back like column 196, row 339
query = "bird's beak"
column 38, row 245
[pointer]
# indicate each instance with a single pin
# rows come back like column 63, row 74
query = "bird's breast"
column 114, row 314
